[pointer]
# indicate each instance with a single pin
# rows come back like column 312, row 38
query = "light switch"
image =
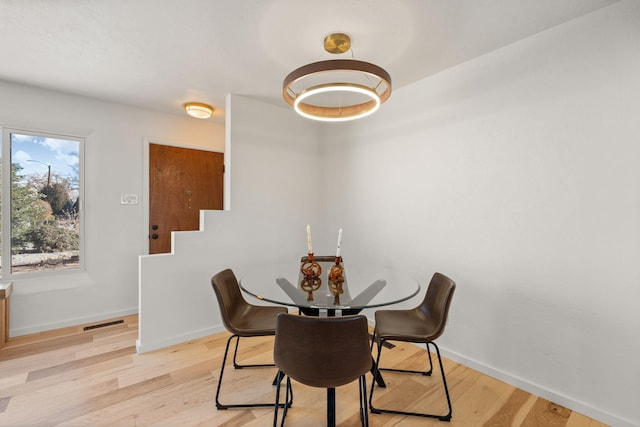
column 128, row 199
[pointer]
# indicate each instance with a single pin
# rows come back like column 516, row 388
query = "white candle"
column 339, row 243
column 309, row 246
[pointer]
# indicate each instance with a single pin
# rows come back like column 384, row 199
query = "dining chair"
column 323, row 352
column 422, row 324
column 242, row 320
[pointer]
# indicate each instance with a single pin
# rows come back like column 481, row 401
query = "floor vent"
column 102, row 325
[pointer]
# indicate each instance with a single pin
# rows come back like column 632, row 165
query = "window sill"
column 49, row 283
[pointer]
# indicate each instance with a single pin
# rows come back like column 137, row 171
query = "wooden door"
column 182, row 181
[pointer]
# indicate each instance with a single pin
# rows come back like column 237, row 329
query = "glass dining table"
column 357, row 287
column 362, row 286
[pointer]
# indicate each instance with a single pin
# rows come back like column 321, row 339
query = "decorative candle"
column 309, row 246
column 339, row 243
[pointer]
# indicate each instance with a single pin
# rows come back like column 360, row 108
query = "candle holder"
column 326, row 276
column 336, row 280
column 311, row 272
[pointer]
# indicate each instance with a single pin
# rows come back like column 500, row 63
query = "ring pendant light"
column 372, row 83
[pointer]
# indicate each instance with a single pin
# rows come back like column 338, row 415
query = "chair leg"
column 376, row 372
column 446, row 417
column 444, row 382
column 408, row 371
column 364, row 407
column 377, row 376
column 288, row 399
column 236, row 365
column 362, row 390
column 275, row 379
column 224, row 362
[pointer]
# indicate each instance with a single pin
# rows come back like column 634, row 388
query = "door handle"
column 154, row 227
column 154, row 236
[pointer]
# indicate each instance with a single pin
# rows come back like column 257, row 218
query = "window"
column 41, row 215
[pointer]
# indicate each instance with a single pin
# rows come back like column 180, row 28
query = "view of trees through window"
column 44, row 206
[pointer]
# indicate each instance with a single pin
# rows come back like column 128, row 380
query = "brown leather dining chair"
column 422, row 324
column 324, row 352
column 242, row 320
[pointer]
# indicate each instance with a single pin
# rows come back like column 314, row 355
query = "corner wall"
column 113, row 165
column 517, row 175
column 271, row 156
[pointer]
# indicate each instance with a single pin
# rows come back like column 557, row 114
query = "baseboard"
column 72, row 322
column 176, row 339
column 540, row 391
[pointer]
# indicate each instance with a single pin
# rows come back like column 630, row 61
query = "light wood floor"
column 72, row 377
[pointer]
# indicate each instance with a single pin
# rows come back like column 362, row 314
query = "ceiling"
column 159, row 54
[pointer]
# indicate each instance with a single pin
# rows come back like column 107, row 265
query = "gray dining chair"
column 324, row 352
column 242, row 320
column 422, row 324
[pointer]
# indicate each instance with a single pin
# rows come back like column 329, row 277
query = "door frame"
column 145, row 182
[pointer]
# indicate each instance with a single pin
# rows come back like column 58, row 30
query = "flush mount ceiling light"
column 198, row 110
column 338, row 89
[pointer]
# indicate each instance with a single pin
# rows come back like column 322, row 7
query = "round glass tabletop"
column 325, row 285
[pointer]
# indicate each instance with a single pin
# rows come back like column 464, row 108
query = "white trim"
column 5, row 138
column 6, row 195
column 227, row 157
column 72, row 322
column 539, row 391
column 176, row 339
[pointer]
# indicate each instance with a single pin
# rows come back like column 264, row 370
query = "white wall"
column 113, row 164
column 273, row 166
column 517, row 175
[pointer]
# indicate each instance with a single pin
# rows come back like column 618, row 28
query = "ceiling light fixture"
column 198, row 110
column 338, row 89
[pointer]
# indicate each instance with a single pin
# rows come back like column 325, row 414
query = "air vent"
column 102, row 325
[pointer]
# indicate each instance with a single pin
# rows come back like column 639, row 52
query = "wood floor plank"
column 545, row 413
column 111, row 397
column 72, row 377
column 507, row 413
column 79, row 363
column 17, row 379
column 579, row 420
column 87, row 376
column 476, row 397
column 3, row 403
column 151, row 408
column 11, row 352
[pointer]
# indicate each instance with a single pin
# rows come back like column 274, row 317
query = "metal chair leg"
column 364, row 407
column 288, row 399
column 362, row 390
column 376, row 372
column 224, row 362
column 236, row 365
column 446, row 417
column 408, row 371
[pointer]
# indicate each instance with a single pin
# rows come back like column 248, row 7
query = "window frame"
column 6, row 272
